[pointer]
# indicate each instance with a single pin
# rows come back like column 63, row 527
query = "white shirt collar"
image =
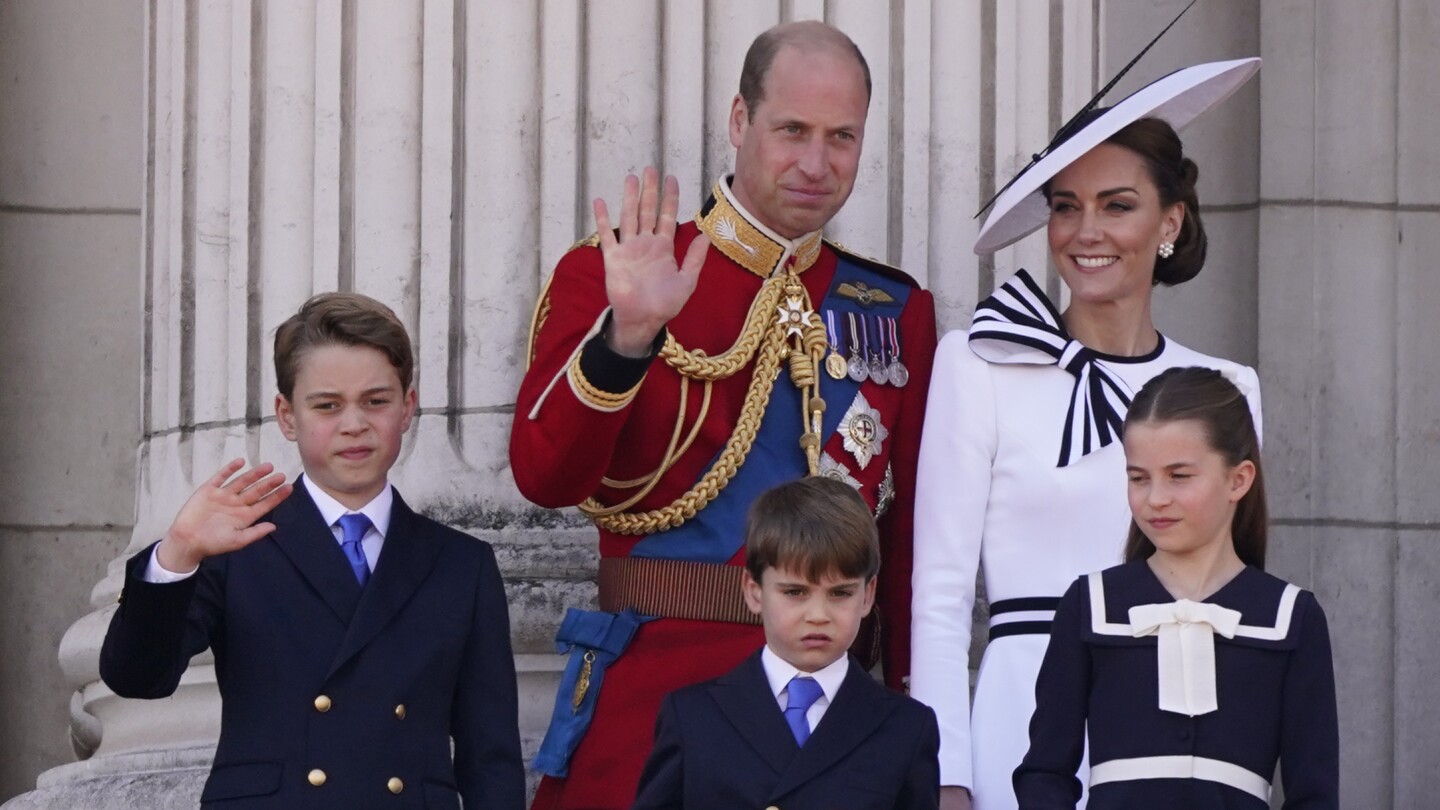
column 779, row 672
column 378, row 509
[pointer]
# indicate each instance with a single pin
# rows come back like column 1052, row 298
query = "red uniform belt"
column 675, row 589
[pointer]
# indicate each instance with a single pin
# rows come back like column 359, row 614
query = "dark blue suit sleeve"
column 489, row 771
column 921, row 790
column 1046, row 777
column 157, row 628
column 1309, row 730
column 662, row 782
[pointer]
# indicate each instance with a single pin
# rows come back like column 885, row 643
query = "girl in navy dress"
column 1195, row 671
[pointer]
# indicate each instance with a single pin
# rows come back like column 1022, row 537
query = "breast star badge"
column 830, row 468
column 862, row 431
column 887, row 492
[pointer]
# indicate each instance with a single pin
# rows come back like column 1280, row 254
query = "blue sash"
column 600, row 637
column 715, row 534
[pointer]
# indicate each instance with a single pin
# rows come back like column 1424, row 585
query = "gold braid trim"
column 597, row 398
column 698, row 366
column 649, row 482
column 757, row 398
column 669, row 461
column 537, row 320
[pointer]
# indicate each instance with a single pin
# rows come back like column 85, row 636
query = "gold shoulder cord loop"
column 648, row 482
column 698, row 365
column 765, row 338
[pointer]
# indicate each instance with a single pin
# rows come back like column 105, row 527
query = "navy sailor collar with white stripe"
column 1270, row 608
column 1019, row 324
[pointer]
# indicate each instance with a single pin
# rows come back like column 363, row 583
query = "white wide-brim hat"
column 1178, row 98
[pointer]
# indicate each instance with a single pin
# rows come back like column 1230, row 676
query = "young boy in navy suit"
column 799, row 724
column 353, row 639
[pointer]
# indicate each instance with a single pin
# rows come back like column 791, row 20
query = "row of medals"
column 863, row 363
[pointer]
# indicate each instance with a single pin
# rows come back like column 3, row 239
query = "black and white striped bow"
column 1018, row 317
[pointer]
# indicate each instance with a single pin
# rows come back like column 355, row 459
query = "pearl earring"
column 1167, row 249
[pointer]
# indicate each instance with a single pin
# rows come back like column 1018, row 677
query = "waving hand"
column 644, row 284
column 221, row 515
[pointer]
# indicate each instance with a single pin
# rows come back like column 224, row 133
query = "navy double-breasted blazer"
column 334, row 696
column 724, row 744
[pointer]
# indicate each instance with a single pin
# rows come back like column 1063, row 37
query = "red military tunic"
column 571, row 431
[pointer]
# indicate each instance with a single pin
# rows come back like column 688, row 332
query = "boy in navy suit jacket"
column 799, row 724
column 353, row 639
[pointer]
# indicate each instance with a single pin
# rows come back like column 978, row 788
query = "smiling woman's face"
column 1106, row 225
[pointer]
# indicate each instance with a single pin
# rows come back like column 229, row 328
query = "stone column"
column 441, row 155
column 1215, row 312
column 69, row 385
column 294, row 148
column 1349, row 227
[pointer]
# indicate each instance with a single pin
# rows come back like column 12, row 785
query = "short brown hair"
column 815, row 526
column 804, row 33
column 348, row 319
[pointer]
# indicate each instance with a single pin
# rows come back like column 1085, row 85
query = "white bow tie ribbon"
column 1019, row 324
column 1185, row 650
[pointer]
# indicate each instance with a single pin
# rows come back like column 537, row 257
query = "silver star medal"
column 862, row 431
column 887, row 492
column 830, row 468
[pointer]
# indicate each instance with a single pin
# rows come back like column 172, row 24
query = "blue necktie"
column 353, row 528
column 803, row 694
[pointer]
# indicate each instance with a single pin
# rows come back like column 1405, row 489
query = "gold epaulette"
column 542, row 304
column 537, row 320
column 593, row 240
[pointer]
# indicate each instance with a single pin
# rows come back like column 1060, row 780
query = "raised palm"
column 643, row 283
column 220, row 516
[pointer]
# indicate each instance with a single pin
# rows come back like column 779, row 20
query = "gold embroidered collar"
column 742, row 238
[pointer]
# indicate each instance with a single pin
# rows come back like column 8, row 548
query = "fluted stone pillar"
column 1349, row 228
column 1216, row 311
column 70, row 77
column 441, row 155
column 293, row 148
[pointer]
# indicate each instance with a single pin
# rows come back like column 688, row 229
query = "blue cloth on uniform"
column 586, row 634
column 713, row 535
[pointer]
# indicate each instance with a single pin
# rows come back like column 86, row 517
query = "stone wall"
column 1349, row 227
column 70, row 176
column 175, row 177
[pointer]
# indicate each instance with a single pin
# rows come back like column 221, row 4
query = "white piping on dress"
column 1281, row 629
column 1181, row 767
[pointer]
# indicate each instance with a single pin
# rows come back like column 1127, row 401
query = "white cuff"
column 159, row 574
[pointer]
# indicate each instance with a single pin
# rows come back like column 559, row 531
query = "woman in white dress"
column 1021, row 471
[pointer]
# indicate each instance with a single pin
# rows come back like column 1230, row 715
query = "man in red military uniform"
column 678, row 371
